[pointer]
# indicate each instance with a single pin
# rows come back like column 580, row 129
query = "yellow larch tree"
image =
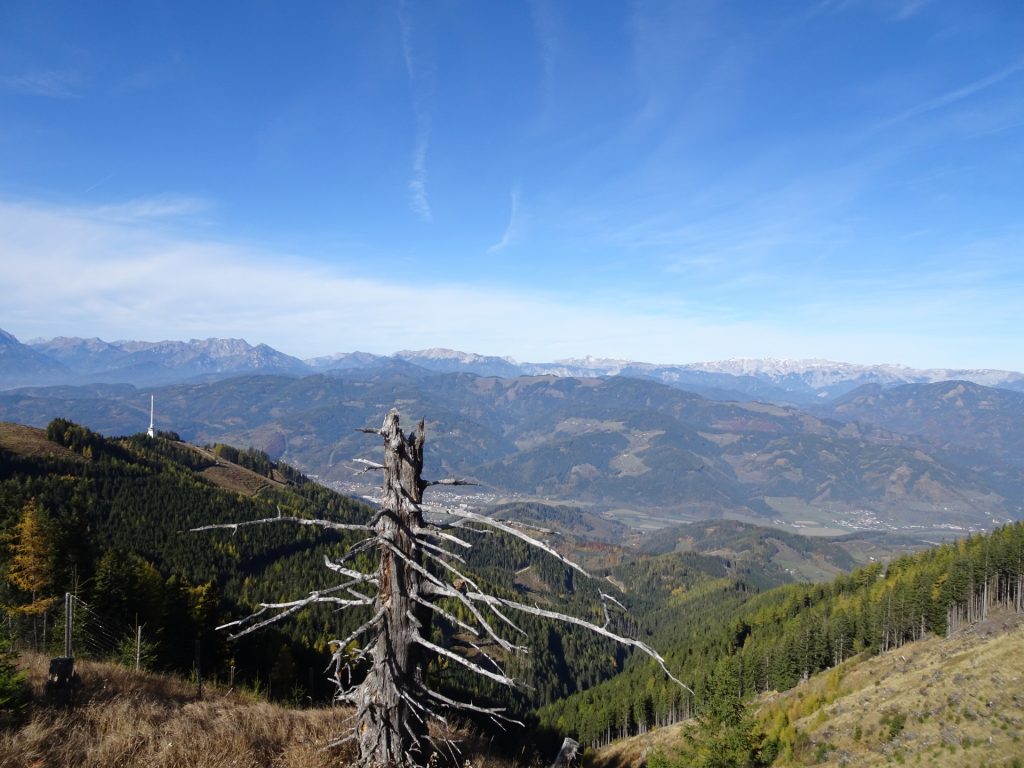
column 31, row 564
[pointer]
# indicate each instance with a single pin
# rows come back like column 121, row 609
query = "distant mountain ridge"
column 70, row 360
column 955, row 415
column 652, row 453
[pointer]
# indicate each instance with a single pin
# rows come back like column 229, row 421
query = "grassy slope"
column 124, row 719
column 960, row 701
column 31, row 442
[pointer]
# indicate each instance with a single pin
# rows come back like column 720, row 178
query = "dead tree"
column 419, row 573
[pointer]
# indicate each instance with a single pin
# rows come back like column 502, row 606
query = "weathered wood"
column 567, row 754
column 389, row 732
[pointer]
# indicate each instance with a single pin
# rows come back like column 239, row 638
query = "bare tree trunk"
column 417, row 570
column 385, row 719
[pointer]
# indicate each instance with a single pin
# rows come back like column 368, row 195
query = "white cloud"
column 910, row 8
column 514, row 224
column 82, row 272
column 161, row 207
column 418, row 183
column 77, row 271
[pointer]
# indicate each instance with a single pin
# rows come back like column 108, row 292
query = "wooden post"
column 68, row 612
column 199, row 671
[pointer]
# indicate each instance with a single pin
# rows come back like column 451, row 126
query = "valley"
column 722, row 599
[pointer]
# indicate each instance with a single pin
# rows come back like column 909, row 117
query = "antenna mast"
column 151, row 431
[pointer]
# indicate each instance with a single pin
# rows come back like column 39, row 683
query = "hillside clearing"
column 939, row 702
column 31, row 442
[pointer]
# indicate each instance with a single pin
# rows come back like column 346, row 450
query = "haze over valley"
column 817, row 447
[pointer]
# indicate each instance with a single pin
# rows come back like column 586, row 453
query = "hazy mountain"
column 341, row 361
column 452, row 361
column 767, row 379
column 67, row 360
column 797, row 382
column 84, row 356
column 21, row 365
column 826, row 378
column 157, row 362
column 646, row 449
column 955, row 415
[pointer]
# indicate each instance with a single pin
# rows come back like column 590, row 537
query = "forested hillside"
column 728, row 642
column 108, row 519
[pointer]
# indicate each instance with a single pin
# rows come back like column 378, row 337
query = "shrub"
column 12, row 682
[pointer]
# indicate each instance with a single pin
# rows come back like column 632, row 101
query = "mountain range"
column 818, row 447
column 646, row 452
column 71, row 360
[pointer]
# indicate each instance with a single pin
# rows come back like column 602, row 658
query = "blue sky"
column 669, row 182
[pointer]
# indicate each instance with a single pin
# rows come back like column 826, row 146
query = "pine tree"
column 12, row 680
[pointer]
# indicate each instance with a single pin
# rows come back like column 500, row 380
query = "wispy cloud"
column 100, row 182
column 952, row 97
column 58, row 84
column 514, row 224
column 545, row 28
column 151, row 208
column 900, row 10
column 910, row 8
column 421, row 81
column 418, row 183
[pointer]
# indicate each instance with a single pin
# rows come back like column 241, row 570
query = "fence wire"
column 93, row 635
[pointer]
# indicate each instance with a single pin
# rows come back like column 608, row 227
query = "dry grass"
column 230, row 476
column 31, row 442
column 123, row 719
column 634, row 751
column 956, row 701
column 239, row 479
column 941, row 702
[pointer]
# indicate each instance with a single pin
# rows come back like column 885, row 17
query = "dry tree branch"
column 506, row 528
column 434, row 586
column 568, row 619
column 329, row 524
column 447, row 481
column 473, row 666
column 493, row 712
column 290, row 609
